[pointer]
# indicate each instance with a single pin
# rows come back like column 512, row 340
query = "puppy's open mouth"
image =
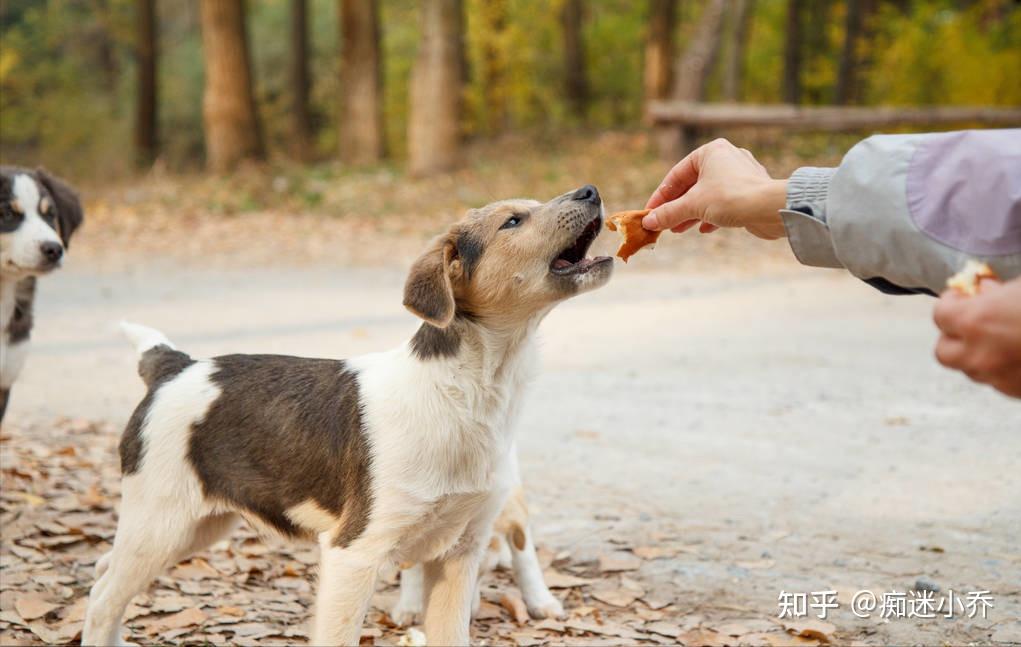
column 572, row 260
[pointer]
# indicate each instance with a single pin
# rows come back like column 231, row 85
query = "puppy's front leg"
column 449, row 588
column 347, row 578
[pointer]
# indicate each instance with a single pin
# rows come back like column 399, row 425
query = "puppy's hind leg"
column 147, row 542
column 513, row 526
column 528, row 576
column 409, row 606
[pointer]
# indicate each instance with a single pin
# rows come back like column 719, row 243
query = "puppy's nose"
column 587, row 193
column 51, row 251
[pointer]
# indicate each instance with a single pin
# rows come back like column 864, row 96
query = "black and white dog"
column 403, row 456
column 38, row 214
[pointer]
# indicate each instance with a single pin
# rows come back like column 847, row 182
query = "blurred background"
column 107, row 88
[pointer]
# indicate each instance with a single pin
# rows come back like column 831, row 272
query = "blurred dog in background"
column 38, row 215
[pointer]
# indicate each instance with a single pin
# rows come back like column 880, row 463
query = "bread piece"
column 629, row 224
column 969, row 279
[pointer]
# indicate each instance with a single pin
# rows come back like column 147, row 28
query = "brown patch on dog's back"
column 284, row 431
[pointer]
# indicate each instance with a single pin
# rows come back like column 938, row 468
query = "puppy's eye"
column 513, row 221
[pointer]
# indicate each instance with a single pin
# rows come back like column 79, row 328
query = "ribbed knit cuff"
column 807, row 190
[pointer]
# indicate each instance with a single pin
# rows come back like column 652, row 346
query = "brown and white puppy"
column 392, row 457
column 38, row 214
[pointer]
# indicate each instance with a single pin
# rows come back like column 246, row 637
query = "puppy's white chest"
column 439, row 525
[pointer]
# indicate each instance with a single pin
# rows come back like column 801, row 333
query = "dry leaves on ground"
column 60, row 488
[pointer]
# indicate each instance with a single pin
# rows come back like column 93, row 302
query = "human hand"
column 718, row 185
column 981, row 334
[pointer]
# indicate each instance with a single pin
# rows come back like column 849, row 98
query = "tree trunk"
column 848, row 71
column 434, row 122
column 792, row 54
column 146, row 128
column 301, row 119
column 493, row 15
column 733, row 74
column 228, row 105
column 361, row 83
column 696, row 65
column 576, row 85
column 659, row 49
column 691, row 77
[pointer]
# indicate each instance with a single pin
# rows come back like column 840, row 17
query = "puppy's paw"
column 405, row 613
column 544, row 606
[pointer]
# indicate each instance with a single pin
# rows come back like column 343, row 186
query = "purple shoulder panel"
column 964, row 190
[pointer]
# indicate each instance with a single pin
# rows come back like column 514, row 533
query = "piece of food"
column 629, row 224
column 968, row 280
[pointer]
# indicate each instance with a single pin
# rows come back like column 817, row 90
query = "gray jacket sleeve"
column 904, row 212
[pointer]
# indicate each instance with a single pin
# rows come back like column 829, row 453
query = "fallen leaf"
column 775, row 639
column 195, row 569
column 31, row 606
column 810, row 628
column 181, row 619
column 668, row 629
column 27, row 497
column 45, row 633
column 703, row 638
column 657, row 599
column 604, row 629
column 558, row 580
column 512, row 601
column 488, row 611
column 654, row 552
column 93, row 498
column 618, row 561
column 76, row 611
column 525, row 639
column 623, row 595
column 646, row 614
column 252, row 630
column 171, row 603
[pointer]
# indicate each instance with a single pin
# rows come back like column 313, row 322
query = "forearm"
column 905, row 211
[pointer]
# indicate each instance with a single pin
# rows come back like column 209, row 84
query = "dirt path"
column 743, row 433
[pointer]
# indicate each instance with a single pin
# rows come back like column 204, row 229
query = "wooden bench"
column 683, row 122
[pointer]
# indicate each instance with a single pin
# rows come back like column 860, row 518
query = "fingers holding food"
column 969, row 280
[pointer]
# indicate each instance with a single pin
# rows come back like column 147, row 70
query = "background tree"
column 361, row 84
column 691, row 75
column 737, row 36
column 301, row 118
column 659, row 50
column 792, row 53
column 846, row 89
column 147, row 48
column 576, row 85
column 493, row 19
column 694, row 67
column 434, row 120
column 228, row 104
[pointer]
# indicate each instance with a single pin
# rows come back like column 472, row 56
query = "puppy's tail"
column 158, row 359
column 144, row 337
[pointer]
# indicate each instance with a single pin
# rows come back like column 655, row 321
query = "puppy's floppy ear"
column 429, row 290
column 69, row 209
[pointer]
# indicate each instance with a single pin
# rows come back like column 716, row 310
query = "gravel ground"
column 769, row 428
